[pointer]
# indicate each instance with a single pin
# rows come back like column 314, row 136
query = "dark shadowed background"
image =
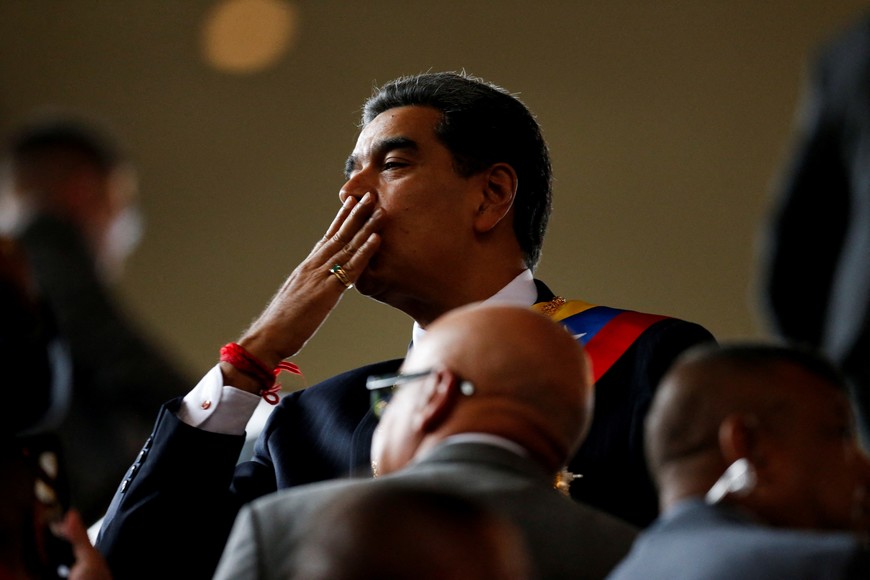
column 668, row 123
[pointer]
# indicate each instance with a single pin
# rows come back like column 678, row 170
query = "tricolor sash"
column 606, row 333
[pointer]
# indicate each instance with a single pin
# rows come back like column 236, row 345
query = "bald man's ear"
column 499, row 190
column 441, row 393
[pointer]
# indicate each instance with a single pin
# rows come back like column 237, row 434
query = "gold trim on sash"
column 558, row 308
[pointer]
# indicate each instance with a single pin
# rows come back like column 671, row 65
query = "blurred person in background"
column 815, row 273
column 40, row 536
column 68, row 199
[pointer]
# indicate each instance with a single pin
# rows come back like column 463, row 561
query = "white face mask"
column 121, row 238
column 15, row 210
column 124, row 233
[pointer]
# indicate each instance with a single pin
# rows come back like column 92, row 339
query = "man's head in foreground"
column 501, row 370
column 766, row 428
column 410, row 533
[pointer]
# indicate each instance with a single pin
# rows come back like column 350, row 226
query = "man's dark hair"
column 482, row 124
column 60, row 143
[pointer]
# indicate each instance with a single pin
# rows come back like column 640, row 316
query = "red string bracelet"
column 250, row 365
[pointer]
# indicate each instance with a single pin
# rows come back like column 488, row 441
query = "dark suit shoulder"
column 660, row 345
column 700, row 541
column 611, row 460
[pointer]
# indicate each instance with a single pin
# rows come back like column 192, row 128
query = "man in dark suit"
column 490, row 404
column 446, row 203
column 816, row 274
column 759, row 471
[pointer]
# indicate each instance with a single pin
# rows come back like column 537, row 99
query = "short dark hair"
column 55, row 142
column 482, row 124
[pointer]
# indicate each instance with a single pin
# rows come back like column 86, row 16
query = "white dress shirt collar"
column 488, row 439
column 520, row 291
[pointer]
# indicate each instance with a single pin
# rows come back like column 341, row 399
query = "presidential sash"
column 606, row 333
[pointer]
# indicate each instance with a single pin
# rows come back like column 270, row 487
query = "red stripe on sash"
column 615, row 338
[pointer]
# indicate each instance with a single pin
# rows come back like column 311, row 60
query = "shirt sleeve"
column 218, row 408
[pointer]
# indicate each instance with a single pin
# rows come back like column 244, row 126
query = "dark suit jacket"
column 565, row 538
column 699, row 542
column 817, row 263
column 325, row 431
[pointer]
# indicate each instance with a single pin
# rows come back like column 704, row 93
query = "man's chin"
column 371, row 286
column 367, row 285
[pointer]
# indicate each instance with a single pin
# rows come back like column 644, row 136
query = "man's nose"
column 355, row 186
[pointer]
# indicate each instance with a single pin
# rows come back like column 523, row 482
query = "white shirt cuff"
column 218, row 408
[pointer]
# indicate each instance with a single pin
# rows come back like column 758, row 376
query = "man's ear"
column 738, row 438
column 499, row 190
column 441, row 392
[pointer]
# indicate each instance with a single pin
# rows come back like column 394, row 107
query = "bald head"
column 782, row 410
column 530, row 379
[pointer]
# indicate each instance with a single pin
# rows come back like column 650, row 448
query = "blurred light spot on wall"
column 246, row 36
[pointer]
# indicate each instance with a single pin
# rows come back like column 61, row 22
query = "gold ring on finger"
column 339, row 273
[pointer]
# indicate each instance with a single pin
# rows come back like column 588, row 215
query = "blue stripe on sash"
column 585, row 325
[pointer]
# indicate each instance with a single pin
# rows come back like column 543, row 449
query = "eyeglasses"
column 383, row 387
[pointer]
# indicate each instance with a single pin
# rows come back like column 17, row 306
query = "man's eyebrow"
column 380, row 149
column 349, row 165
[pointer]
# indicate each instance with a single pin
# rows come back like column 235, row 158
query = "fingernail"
column 366, row 198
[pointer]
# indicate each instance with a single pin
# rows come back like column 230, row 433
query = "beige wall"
column 667, row 121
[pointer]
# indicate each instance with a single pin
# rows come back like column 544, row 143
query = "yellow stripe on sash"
column 560, row 309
